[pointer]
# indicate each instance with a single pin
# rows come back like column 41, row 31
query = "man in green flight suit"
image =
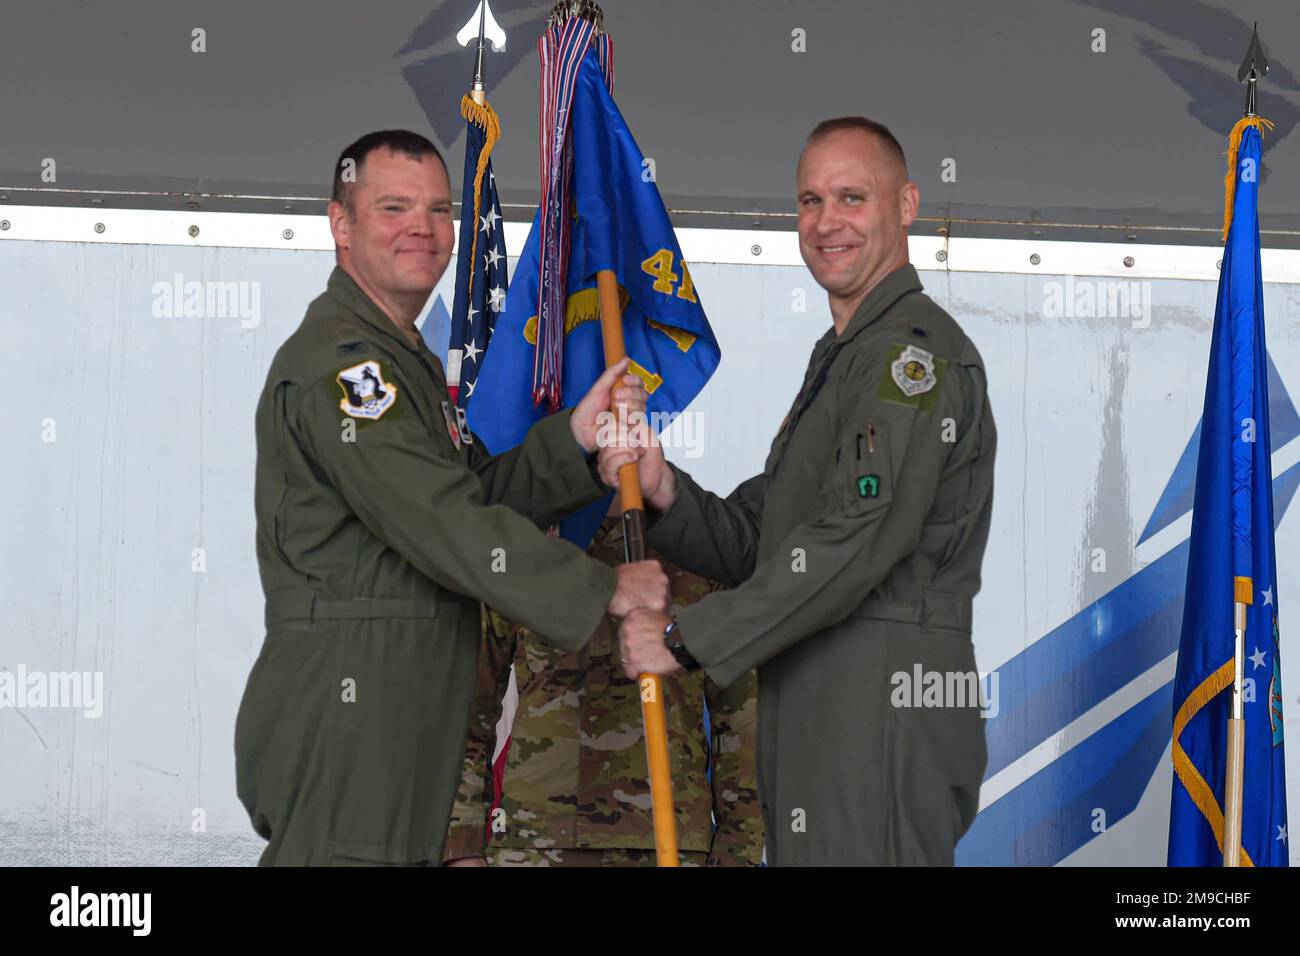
column 855, row 555
column 576, row 788
column 381, row 524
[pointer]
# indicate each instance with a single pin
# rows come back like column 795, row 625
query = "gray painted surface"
column 1045, row 132
column 153, row 454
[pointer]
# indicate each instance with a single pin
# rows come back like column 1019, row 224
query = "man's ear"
column 339, row 224
column 909, row 203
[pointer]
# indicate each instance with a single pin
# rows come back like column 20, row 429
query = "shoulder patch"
column 366, row 394
column 912, row 376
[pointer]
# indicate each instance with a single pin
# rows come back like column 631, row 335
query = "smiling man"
column 853, row 558
column 381, row 526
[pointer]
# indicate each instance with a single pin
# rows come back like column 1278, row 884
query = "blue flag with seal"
column 1232, row 560
column 619, row 222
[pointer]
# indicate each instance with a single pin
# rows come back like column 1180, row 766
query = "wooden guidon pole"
column 1243, row 591
column 652, row 698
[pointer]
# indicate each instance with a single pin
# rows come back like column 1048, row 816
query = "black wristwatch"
column 673, row 641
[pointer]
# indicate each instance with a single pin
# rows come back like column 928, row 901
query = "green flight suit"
column 377, row 536
column 853, row 559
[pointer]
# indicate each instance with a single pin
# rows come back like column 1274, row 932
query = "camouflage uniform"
column 576, row 780
column 571, row 858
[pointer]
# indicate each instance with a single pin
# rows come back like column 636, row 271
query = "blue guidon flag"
column 481, row 276
column 605, row 212
column 1232, row 561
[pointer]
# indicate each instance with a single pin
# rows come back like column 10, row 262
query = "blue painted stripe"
column 1065, row 674
column 1055, row 811
column 1097, row 652
column 1176, row 500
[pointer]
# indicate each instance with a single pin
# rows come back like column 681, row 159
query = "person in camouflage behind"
column 576, row 788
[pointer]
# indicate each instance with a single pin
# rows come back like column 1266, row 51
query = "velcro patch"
column 366, row 394
column 912, row 377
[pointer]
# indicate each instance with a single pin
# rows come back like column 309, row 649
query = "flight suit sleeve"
column 468, row 828
column 417, row 497
column 873, row 502
column 711, row 536
column 545, row 477
column 733, row 713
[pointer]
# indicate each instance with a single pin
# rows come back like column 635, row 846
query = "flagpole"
column 476, row 111
column 477, row 89
column 633, row 505
column 1235, row 772
column 1254, row 66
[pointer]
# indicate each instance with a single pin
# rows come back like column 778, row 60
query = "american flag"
column 481, row 277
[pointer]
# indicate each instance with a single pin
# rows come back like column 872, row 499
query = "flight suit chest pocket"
column 865, row 469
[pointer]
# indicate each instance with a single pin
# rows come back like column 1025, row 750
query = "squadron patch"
column 913, row 371
column 365, row 393
column 453, row 429
column 914, row 377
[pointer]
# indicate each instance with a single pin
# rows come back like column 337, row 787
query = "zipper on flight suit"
column 802, row 401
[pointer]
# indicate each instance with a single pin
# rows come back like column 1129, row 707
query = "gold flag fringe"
column 485, row 117
column 1230, row 181
column 1201, row 792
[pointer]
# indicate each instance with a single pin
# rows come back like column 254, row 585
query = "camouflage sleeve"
column 734, row 714
column 467, row 830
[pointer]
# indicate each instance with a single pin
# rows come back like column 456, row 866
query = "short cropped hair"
column 395, row 140
column 879, row 130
